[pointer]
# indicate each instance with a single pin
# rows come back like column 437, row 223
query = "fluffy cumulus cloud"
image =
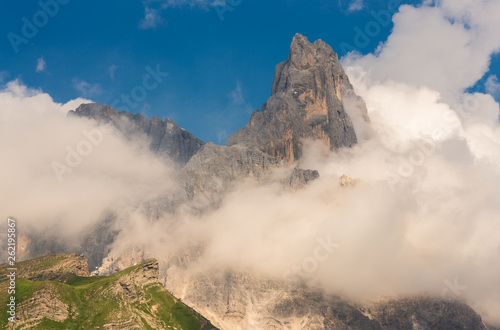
column 436, row 147
column 449, row 53
column 60, row 174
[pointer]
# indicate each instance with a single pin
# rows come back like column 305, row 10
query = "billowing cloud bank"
column 59, row 174
column 424, row 215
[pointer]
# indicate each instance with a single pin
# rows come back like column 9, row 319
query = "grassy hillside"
column 51, row 293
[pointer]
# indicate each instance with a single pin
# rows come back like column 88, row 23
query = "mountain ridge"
column 165, row 137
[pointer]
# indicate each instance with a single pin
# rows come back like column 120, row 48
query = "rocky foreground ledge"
column 56, row 292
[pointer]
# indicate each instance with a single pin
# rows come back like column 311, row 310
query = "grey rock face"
column 305, row 102
column 215, row 168
column 165, row 138
column 245, row 301
column 299, row 178
column 425, row 313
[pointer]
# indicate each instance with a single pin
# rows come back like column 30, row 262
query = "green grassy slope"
column 61, row 299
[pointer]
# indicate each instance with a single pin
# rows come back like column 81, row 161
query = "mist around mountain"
column 349, row 200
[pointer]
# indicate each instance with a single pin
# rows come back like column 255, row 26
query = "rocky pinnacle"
column 306, row 102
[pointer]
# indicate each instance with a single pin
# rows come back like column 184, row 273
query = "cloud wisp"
column 41, row 65
column 492, row 86
column 87, row 89
column 154, row 10
column 355, row 5
column 152, row 18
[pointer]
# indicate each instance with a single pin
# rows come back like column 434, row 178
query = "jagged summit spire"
column 304, row 54
column 306, row 103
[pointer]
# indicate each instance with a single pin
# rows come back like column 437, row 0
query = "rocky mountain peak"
column 304, row 55
column 100, row 112
column 165, row 137
column 307, row 102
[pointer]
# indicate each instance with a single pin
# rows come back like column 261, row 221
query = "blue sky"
column 219, row 69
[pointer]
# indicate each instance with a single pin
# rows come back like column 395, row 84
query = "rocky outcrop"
column 44, row 303
column 299, row 178
column 245, row 301
column 214, row 169
column 129, row 299
column 424, row 313
column 347, row 181
column 131, row 285
column 59, row 267
column 165, row 138
column 305, row 103
column 217, row 170
column 113, row 263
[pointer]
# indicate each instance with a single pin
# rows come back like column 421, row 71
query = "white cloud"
column 449, row 53
column 34, row 133
column 15, row 95
column 236, row 96
column 355, row 5
column 87, row 89
column 41, row 65
column 152, row 18
column 112, row 70
column 492, row 86
column 193, row 3
column 238, row 103
column 414, row 88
